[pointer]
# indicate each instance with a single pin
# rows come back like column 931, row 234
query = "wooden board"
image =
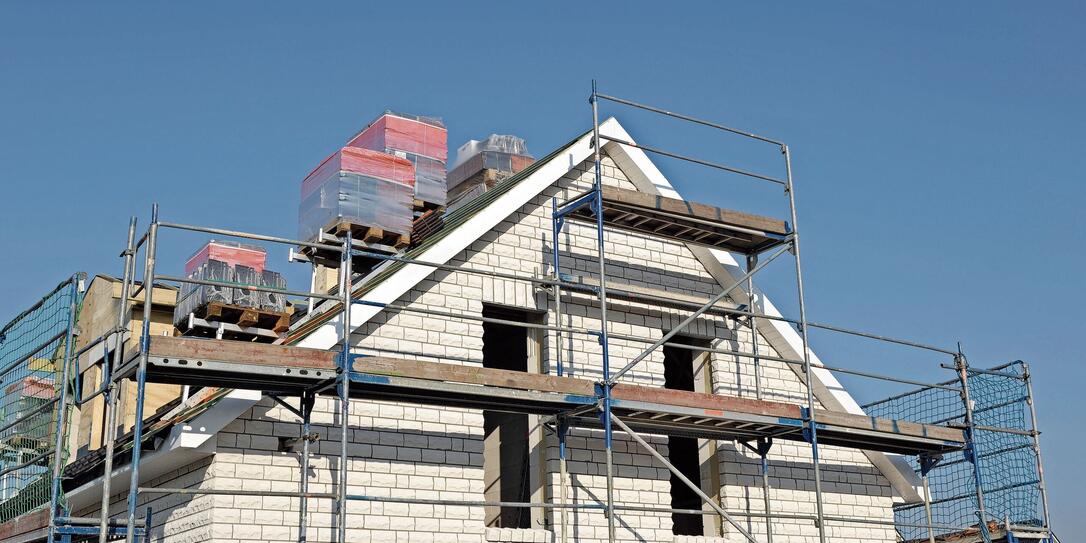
column 242, row 352
column 644, row 200
column 25, row 525
column 157, row 396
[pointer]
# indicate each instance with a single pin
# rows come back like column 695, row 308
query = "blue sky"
column 937, row 148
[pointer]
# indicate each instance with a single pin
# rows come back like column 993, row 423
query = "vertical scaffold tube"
column 763, row 450
column 556, row 231
column 141, row 372
column 109, row 433
column 344, row 383
column 962, row 365
column 1036, row 435
column 927, row 508
column 563, row 429
column 303, row 501
column 607, row 384
column 928, row 462
column 812, row 425
column 62, row 409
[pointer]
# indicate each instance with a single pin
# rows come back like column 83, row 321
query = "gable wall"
column 416, row 451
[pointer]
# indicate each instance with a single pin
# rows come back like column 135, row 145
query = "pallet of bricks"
column 368, row 193
column 422, row 141
column 246, row 311
column 482, row 164
column 374, row 187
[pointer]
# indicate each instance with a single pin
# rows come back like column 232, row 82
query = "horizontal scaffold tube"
column 249, row 235
column 614, row 290
column 244, row 287
column 586, row 331
column 694, row 120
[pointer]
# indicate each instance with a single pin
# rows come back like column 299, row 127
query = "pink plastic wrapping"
column 424, row 136
column 367, row 162
column 229, row 252
column 429, row 178
column 421, row 140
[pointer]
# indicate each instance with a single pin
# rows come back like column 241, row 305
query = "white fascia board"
column 185, row 444
column 644, row 174
column 392, row 288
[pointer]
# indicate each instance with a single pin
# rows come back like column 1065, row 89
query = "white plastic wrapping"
column 193, row 297
column 495, row 143
column 505, row 155
column 272, row 301
column 244, row 275
column 356, row 199
column 429, row 177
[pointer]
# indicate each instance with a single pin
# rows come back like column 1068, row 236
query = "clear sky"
column 937, row 147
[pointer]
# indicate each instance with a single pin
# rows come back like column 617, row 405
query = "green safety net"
column 32, row 354
column 1007, row 461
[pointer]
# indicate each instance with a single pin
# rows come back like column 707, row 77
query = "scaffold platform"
column 685, row 221
column 291, row 371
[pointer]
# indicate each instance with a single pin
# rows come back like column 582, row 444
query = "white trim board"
column 185, row 444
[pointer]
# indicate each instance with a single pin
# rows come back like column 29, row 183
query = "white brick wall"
column 403, row 450
column 175, row 518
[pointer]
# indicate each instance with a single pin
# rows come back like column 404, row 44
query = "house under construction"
column 572, row 353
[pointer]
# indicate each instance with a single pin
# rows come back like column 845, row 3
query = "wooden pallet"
column 193, row 326
column 370, row 234
column 421, row 206
column 364, row 238
column 245, row 317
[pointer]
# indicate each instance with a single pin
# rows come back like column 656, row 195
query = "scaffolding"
column 950, row 433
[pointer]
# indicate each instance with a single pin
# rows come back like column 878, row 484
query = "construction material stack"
column 423, row 141
column 245, row 310
column 360, row 190
column 482, row 164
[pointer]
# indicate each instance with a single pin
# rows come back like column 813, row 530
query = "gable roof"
column 467, row 224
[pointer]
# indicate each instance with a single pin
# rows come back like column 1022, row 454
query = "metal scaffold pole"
column 972, row 454
column 763, row 445
column 812, row 424
column 1036, row 443
column 307, row 401
column 109, row 432
column 344, row 388
column 62, row 409
column 563, row 430
column 555, row 232
column 141, row 372
column 926, row 464
column 607, row 384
